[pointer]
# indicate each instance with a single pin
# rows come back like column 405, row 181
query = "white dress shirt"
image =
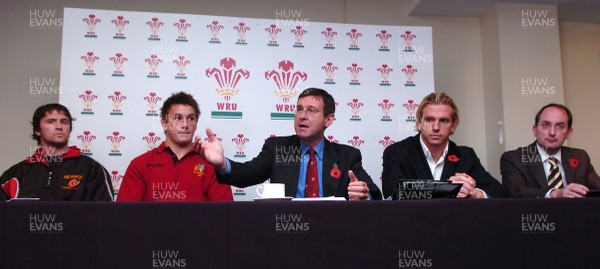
column 544, row 157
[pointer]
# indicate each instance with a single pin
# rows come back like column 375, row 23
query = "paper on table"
column 24, row 199
column 330, row 198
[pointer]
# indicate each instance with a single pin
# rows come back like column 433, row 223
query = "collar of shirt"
column 162, row 148
column 318, row 149
column 544, row 156
column 73, row 152
column 428, row 153
column 435, row 168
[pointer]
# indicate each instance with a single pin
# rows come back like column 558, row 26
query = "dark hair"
column 41, row 111
column 325, row 96
column 179, row 98
column 559, row 106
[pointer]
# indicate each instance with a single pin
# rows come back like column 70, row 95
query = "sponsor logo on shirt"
column 72, row 182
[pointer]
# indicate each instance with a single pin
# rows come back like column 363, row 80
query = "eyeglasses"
column 559, row 127
column 309, row 110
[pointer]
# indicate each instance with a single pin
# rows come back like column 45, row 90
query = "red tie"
column 312, row 176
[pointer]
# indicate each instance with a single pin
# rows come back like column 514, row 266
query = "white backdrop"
column 119, row 66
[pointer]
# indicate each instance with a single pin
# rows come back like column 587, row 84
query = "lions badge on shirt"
column 199, row 170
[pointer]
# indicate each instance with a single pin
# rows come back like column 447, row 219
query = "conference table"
column 438, row 233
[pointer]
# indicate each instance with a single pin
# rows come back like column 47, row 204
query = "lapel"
column 450, row 168
column 418, row 160
column 291, row 170
column 330, row 157
column 566, row 155
column 535, row 165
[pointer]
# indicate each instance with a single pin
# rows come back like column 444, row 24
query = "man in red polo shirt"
column 174, row 171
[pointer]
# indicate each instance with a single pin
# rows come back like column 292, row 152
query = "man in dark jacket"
column 55, row 171
column 546, row 168
column 431, row 155
column 307, row 163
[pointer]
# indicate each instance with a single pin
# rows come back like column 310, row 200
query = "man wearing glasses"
column 546, row 168
column 308, row 164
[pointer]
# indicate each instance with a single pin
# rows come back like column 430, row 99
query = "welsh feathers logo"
column 332, row 139
column 118, row 61
column 216, row 137
column 115, row 179
column 115, row 143
column 409, row 73
column 408, row 37
column 355, row 106
column 386, row 142
column 385, row 71
column 152, row 100
column 273, row 30
column 152, row 140
column 286, row 81
column 356, row 141
column 329, row 33
column 329, row 68
column 153, row 63
column 411, row 108
column 117, row 102
column 227, row 77
column 384, row 37
column 386, row 106
column 354, row 73
column 90, row 61
column 182, row 26
column 119, row 23
column 298, row 36
column 354, row 35
column 91, row 22
column 86, row 142
column 215, row 29
column 241, row 29
column 155, row 25
column 181, row 63
column 240, row 143
column 88, row 98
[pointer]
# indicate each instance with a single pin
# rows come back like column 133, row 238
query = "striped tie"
column 554, row 178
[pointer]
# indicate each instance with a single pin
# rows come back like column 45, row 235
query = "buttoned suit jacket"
column 279, row 160
column 405, row 160
column 523, row 172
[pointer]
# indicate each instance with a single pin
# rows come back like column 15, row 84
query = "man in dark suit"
column 307, row 163
column 431, row 155
column 546, row 168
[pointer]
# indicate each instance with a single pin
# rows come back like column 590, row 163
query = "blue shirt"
column 305, row 156
column 304, row 163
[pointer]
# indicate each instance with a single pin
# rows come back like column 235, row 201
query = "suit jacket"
column 523, row 170
column 279, row 160
column 406, row 160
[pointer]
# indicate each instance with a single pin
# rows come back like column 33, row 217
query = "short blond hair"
column 437, row 98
